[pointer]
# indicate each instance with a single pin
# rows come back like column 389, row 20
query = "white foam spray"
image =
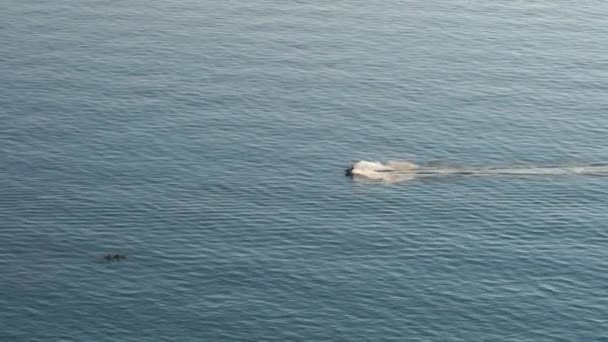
column 399, row 171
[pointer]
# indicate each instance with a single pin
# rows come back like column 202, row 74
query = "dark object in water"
column 114, row 257
column 349, row 172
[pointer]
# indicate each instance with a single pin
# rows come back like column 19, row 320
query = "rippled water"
column 207, row 140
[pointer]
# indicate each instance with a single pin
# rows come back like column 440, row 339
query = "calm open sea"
column 207, row 141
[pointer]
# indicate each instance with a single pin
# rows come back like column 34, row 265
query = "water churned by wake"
column 399, row 171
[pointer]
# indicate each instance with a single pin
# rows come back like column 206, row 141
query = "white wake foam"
column 398, row 171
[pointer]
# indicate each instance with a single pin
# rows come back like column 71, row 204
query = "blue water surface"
column 207, row 141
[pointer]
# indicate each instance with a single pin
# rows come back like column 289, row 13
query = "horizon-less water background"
column 207, row 140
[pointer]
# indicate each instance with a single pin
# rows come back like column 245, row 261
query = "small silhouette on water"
column 114, row 257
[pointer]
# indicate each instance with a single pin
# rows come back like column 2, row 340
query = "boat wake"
column 399, row 171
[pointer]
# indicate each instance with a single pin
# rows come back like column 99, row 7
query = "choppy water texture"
column 207, row 140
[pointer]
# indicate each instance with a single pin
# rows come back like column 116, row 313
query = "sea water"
column 207, row 141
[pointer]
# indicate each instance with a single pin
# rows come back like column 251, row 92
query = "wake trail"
column 398, row 171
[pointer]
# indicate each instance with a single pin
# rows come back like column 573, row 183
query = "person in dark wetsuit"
column 349, row 172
